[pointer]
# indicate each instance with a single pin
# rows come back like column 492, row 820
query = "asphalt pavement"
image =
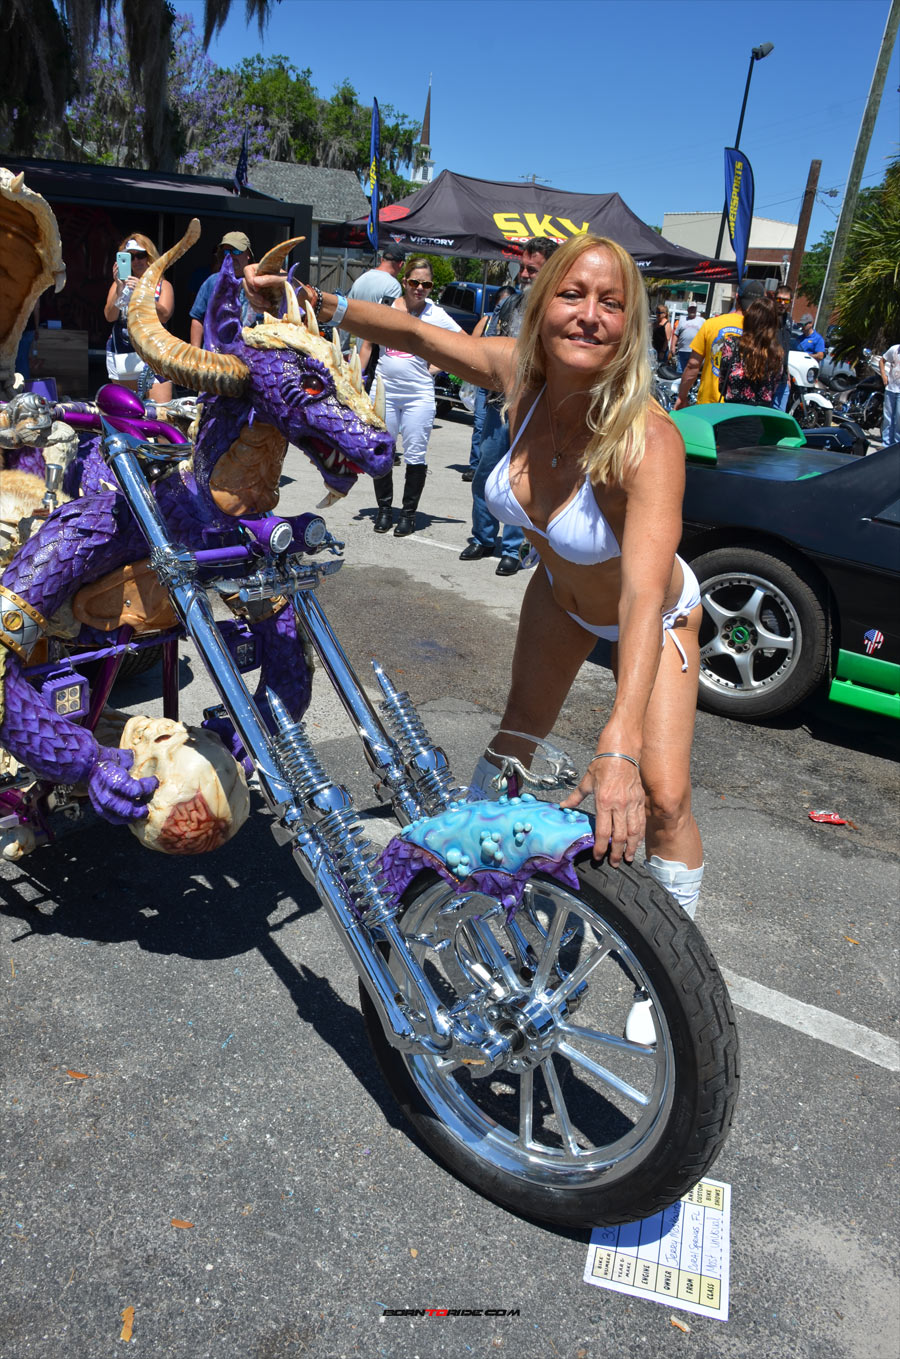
column 192, row 1123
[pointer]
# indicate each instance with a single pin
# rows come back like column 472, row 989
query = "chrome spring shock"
column 336, row 822
column 426, row 761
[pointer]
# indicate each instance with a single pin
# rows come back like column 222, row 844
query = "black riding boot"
column 384, row 496
column 412, row 490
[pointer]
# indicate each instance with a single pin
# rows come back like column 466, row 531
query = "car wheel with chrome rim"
column 764, row 636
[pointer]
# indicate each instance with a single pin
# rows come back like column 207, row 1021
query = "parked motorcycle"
column 667, row 380
column 497, row 961
column 556, row 1030
column 864, row 402
column 807, row 403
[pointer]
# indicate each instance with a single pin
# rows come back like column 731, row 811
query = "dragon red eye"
column 313, row 386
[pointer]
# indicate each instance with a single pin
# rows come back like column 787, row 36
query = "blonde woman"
column 123, row 365
column 595, row 477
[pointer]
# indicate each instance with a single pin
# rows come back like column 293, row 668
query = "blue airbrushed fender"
column 490, row 847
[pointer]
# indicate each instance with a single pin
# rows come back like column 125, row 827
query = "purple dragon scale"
column 295, row 388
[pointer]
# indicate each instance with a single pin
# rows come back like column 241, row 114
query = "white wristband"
column 339, row 310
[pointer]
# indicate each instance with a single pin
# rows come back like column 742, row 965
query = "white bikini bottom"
column 688, row 600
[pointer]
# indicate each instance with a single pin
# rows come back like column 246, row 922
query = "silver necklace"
column 559, row 454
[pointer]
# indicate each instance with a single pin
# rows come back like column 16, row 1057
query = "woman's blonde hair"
column 620, row 397
column 144, row 242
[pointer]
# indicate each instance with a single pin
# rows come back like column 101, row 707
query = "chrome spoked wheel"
column 573, row 1123
column 575, row 1099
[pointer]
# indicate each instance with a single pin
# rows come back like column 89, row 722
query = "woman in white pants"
column 409, row 399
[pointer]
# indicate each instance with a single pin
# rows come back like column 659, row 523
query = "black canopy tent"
column 484, row 219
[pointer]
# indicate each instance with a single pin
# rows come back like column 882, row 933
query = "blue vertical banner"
column 739, row 197
column 374, row 157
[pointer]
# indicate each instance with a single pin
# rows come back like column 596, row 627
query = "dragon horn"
column 336, row 349
column 201, row 369
column 273, row 259
column 356, row 371
column 15, row 184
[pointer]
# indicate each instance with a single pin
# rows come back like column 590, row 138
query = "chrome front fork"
column 313, row 813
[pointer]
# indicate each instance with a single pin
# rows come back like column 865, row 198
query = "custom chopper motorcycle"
column 499, row 966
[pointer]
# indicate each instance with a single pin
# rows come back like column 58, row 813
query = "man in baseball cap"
column 380, row 284
column 237, row 245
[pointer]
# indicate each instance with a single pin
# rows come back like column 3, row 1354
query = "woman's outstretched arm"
column 486, row 362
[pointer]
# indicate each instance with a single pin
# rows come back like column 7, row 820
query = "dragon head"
column 282, row 369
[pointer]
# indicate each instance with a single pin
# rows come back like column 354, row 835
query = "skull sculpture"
column 202, row 798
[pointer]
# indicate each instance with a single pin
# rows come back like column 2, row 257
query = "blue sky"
column 633, row 96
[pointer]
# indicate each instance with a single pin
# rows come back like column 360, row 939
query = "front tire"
column 764, row 636
column 812, row 416
column 577, row 1126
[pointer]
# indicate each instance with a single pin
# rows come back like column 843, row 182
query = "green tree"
column 36, row 70
column 867, row 303
column 103, row 123
column 308, row 129
column 45, row 46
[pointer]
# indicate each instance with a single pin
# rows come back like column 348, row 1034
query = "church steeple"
column 424, row 171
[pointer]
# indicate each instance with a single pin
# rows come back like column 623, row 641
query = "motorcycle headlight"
column 811, row 375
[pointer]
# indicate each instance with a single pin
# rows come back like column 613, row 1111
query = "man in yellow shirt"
column 707, row 345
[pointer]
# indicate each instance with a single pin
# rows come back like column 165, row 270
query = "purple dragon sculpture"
column 276, row 383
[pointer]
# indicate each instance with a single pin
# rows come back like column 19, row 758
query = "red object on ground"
column 831, row 819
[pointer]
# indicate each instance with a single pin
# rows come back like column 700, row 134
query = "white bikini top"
column 579, row 533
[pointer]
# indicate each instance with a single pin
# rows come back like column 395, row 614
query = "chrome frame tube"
column 382, row 752
column 176, row 567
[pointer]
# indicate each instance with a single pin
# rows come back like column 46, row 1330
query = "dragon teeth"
column 292, row 307
column 312, row 324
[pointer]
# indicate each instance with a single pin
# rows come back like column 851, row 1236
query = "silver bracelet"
column 615, row 755
column 339, row 310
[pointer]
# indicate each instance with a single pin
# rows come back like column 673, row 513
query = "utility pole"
column 863, row 141
column 809, row 197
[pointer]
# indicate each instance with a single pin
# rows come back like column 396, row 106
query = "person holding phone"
column 123, row 365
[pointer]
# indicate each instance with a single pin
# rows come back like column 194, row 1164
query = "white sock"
column 680, row 882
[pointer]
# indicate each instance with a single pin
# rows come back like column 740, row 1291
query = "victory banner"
column 739, row 197
column 374, row 156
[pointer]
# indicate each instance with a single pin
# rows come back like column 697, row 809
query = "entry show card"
column 680, row 1257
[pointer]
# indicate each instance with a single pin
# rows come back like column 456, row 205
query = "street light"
column 756, row 55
